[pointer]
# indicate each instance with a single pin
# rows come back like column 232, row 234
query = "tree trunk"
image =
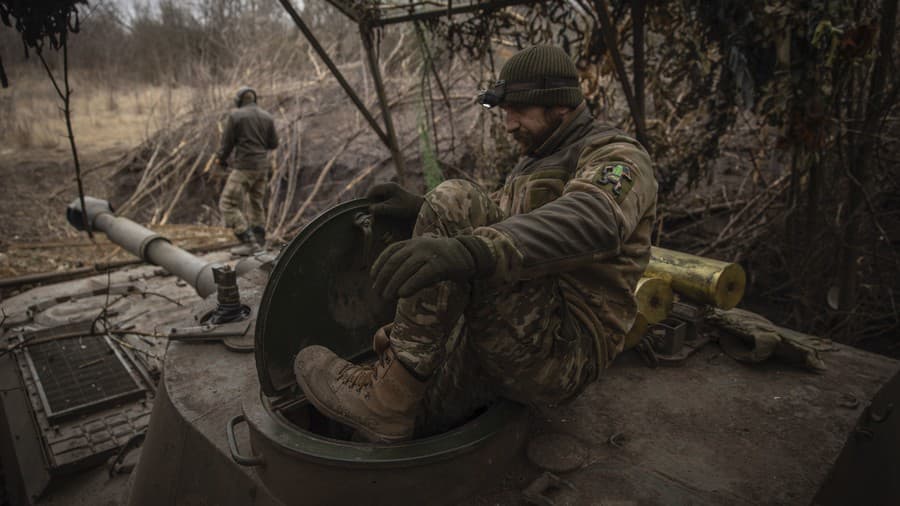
column 638, row 13
column 860, row 166
column 608, row 29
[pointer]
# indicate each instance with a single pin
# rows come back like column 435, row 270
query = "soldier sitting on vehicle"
column 250, row 133
column 526, row 293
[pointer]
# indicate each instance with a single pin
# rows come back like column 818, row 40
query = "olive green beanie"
column 538, row 62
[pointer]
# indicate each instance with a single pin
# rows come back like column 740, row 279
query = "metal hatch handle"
column 253, row 461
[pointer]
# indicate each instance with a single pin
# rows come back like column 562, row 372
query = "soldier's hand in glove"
column 406, row 267
column 390, row 199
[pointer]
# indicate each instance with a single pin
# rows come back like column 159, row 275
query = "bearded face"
column 532, row 125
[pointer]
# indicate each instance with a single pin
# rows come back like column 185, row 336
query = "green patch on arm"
column 617, row 178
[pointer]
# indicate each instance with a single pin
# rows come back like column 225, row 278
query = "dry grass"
column 36, row 162
column 104, row 117
column 23, row 135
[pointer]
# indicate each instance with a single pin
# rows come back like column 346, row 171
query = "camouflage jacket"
column 250, row 133
column 581, row 208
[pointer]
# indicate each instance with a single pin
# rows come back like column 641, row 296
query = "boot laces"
column 357, row 376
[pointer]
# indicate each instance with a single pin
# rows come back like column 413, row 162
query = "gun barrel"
column 143, row 243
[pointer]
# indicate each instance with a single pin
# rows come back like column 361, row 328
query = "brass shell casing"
column 638, row 329
column 700, row 279
column 654, row 298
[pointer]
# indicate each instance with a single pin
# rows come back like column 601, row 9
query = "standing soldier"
column 527, row 293
column 250, row 133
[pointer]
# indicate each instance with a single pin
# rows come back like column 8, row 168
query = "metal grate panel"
column 76, row 374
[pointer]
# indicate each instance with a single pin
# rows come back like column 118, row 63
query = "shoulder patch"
column 615, row 178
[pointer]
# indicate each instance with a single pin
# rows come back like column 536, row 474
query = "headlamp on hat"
column 497, row 94
column 493, row 96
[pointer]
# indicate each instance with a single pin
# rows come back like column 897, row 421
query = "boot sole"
column 365, row 431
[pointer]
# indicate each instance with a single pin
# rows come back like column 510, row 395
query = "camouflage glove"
column 406, row 267
column 390, row 199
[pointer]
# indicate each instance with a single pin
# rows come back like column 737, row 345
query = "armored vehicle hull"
column 712, row 431
column 228, row 428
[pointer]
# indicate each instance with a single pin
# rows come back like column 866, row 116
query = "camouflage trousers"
column 479, row 341
column 244, row 188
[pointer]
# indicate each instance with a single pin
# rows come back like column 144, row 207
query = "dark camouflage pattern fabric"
column 244, row 191
column 570, row 230
column 580, row 209
column 480, row 340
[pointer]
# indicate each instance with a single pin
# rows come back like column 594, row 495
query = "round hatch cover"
column 320, row 292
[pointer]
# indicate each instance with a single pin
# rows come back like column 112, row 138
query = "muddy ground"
column 37, row 185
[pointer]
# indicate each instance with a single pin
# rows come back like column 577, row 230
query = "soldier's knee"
column 228, row 200
column 452, row 190
column 459, row 205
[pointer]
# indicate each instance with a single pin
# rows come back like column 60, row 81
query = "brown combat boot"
column 380, row 400
column 248, row 244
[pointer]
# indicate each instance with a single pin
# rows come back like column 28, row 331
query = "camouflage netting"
column 39, row 22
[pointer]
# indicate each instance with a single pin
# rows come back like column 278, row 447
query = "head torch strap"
column 542, row 84
column 494, row 95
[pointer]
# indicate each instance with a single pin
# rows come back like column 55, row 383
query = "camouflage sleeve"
column 600, row 207
column 228, row 140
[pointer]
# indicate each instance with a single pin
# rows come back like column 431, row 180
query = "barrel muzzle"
column 95, row 207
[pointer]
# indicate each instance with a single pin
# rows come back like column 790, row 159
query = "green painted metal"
column 319, row 291
column 269, row 423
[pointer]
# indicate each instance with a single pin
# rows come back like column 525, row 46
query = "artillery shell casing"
column 638, row 329
column 700, row 279
column 654, row 298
